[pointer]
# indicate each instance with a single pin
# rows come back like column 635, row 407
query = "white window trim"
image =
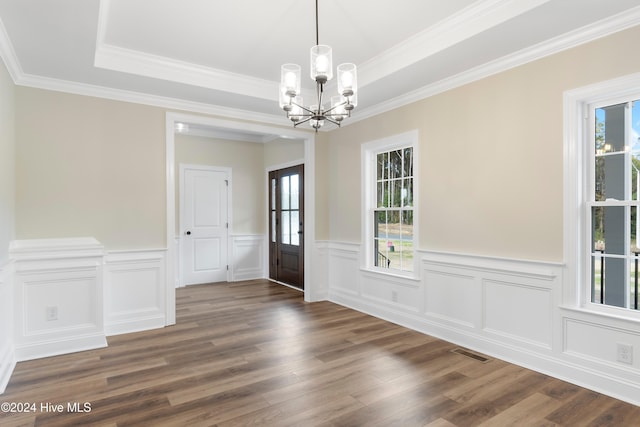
column 576, row 121
column 369, row 150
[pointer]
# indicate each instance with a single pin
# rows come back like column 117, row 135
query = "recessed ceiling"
column 224, row 57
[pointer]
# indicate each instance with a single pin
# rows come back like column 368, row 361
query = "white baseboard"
column 7, row 365
column 55, row 347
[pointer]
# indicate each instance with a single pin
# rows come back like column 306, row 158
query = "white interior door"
column 204, row 224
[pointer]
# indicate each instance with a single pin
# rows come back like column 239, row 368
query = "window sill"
column 396, row 275
column 612, row 313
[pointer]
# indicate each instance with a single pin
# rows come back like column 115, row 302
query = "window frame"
column 579, row 185
column 369, row 152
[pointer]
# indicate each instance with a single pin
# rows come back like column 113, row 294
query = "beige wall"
column 281, row 151
column 89, row 167
column 490, row 162
column 246, row 159
column 7, row 162
column 490, row 155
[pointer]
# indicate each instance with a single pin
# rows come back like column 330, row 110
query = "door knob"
column 188, row 233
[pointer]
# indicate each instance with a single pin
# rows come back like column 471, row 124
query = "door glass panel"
column 286, row 228
column 273, row 226
column 295, row 227
column 294, row 192
column 273, row 194
column 285, row 188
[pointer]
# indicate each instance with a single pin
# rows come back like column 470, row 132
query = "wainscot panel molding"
column 505, row 308
column 58, row 296
column 318, row 272
column 248, row 257
column 7, row 356
column 134, row 290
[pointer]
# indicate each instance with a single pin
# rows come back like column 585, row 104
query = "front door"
column 286, row 231
column 204, row 223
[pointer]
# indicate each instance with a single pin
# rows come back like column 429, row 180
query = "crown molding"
column 141, row 63
column 603, row 28
column 469, row 22
column 147, row 99
column 8, row 55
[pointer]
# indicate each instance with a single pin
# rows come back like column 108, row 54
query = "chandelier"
column 340, row 105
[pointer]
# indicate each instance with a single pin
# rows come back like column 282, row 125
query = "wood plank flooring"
column 254, row 353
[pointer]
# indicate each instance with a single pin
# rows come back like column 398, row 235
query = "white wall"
column 7, row 221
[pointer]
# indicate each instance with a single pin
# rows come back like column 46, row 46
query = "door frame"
column 171, row 119
column 182, row 168
column 267, row 251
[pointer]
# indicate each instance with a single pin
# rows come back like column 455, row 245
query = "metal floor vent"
column 470, row 354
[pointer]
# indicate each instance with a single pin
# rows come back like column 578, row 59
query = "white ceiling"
column 224, row 57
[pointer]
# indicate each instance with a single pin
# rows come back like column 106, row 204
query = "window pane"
column 408, row 162
column 273, row 194
column 285, row 226
column 407, row 192
column 380, row 199
column 285, row 188
column 395, row 164
column 610, row 129
column 273, row 226
column 295, row 227
column 381, row 166
column 295, row 199
column 380, row 225
column 407, row 240
column 610, row 233
column 395, row 193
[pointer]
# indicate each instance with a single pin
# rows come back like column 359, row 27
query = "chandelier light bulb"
column 347, row 79
column 290, row 79
column 321, row 63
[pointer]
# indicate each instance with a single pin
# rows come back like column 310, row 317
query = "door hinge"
column 227, row 225
column 227, row 267
column 226, row 181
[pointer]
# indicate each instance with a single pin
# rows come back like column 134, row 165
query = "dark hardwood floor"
column 254, row 353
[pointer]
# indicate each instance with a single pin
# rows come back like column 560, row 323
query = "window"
column 612, row 203
column 390, row 196
column 601, row 153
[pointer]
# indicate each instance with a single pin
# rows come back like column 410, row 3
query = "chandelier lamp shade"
column 339, row 106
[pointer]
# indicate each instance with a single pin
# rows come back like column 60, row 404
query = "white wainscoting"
column 60, row 278
column 247, row 260
column 134, row 290
column 510, row 309
column 248, row 255
column 7, row 357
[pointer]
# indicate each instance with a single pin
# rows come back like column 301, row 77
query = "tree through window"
column 393, row 211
